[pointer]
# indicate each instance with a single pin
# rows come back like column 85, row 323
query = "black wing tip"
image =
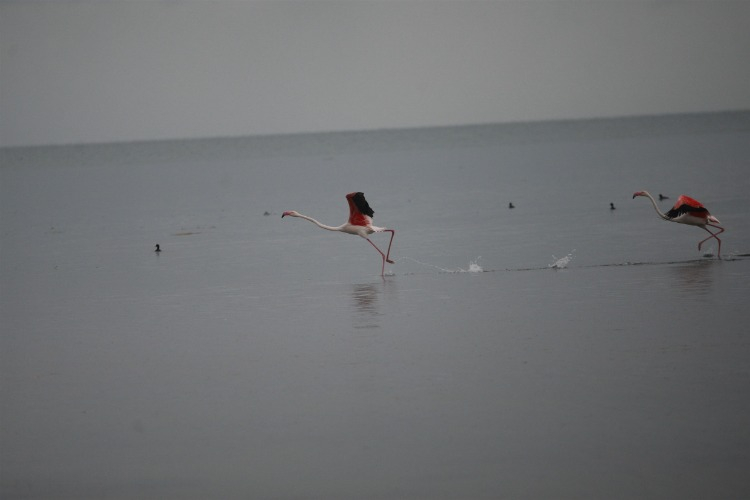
column 361, row 203
column 683, row 209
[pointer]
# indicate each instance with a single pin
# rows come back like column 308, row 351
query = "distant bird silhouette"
column 158, row 249
column 691, row 212
column 612, row 206
column 359, row 224
column 662, row 197
column 511, row 205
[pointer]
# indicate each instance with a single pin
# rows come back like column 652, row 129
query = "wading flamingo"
column 360, row 224
column 689, row 211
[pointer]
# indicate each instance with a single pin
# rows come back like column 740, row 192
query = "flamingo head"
column 639, row 193
column 290, row 213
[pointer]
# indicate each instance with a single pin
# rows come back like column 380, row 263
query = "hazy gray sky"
column 93, row 71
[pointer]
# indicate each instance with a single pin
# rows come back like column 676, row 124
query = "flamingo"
column 359, row 224
column 689, row 211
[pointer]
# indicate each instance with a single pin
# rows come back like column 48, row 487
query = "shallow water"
column 556, row 350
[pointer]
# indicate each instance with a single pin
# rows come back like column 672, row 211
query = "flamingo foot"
column 390, row 261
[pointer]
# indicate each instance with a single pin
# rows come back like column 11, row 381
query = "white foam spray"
column 562, row 262
column 474, row 266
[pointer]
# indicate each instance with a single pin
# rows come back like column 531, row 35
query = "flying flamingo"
column 360, row 224
column 689, row 211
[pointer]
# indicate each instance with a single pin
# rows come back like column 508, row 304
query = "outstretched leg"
column 713, row 235
column 388, row 253
column 382, row 270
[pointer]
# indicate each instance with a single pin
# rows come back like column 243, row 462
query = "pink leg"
column 388, row 253
column 713, row 235
column 382, row 270
column 386, row 256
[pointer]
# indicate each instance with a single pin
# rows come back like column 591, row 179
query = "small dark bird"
column 157, row 248
column 511, row 205
column 662, row 197
column 612, row 206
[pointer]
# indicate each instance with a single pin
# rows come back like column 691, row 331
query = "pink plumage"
column 359, row 223
column 689, row 211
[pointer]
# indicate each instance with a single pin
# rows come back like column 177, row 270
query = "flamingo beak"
column 636, row 194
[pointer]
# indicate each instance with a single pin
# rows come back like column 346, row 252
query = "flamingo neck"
column 320, row 225
column 656, row 207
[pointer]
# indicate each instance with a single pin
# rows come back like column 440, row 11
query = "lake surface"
column 559, row 349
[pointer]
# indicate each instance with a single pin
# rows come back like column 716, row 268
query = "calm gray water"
column 257, row 357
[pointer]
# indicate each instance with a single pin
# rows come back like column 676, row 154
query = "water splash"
column 732, row 256
column 708, row 253
column 474, row 266
column 562, row 262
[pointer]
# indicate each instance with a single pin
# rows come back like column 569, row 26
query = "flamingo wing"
column 687, row 205
column 359, row 210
